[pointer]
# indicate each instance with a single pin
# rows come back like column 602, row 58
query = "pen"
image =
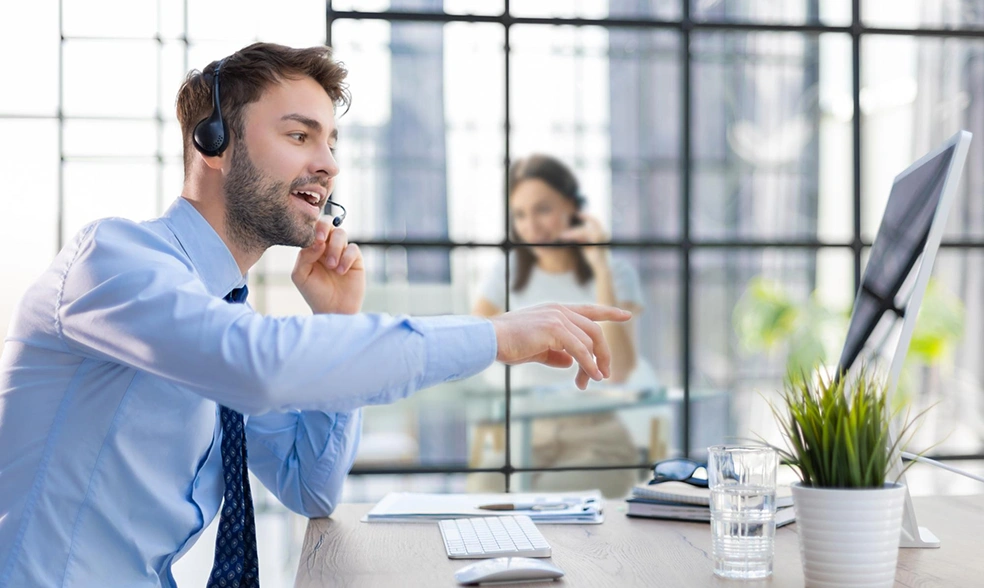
column 526, row 506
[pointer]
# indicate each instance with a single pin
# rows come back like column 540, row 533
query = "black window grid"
column 685, row 244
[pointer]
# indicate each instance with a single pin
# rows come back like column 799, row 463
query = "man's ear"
column 213, row 161
column 217, row 162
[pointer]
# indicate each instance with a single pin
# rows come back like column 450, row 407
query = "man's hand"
column 558, row 335
column 330, row 273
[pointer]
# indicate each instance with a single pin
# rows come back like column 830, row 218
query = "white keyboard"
column 497, row 536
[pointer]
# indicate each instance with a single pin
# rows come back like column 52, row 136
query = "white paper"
column 585, row 507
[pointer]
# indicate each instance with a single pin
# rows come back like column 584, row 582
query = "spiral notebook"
column 683, row 493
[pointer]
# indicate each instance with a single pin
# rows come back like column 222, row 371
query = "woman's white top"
column 563, row 288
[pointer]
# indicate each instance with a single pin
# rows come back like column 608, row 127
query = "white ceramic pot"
column 847, row 537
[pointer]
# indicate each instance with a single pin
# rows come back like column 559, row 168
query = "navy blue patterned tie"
column 236, row 564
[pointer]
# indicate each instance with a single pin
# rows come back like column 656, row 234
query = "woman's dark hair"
column 559, row 177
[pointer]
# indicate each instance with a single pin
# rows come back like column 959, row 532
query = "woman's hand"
column 589, row 231
column 330, row 273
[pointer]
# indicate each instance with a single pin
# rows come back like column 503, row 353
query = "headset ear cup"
column 211, row 136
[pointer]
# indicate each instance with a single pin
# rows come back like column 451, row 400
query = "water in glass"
column 743, row 530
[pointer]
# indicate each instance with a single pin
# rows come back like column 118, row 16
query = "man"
column 129, row 365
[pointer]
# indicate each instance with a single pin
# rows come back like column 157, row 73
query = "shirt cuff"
column 456, row 347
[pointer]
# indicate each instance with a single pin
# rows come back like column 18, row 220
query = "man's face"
column 283, row 168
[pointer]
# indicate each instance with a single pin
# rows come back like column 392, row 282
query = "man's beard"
column 258, row 211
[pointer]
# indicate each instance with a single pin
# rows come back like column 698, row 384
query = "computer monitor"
column 895, row 278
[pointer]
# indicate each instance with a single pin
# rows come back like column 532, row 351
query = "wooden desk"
column 621, row 552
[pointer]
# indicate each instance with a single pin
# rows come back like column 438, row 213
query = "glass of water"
column 742, row 480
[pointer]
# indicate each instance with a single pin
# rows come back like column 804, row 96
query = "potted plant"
column 848, row 516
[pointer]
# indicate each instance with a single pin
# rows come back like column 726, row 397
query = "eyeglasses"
column 680, row 470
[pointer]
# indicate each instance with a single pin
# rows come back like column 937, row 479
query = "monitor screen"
column 888, row 277
column 895, row 279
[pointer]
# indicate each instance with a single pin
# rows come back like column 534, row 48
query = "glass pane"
column 483, row 7
column 606, row 103
column 943, row 369
column 128, row 89
column 109, row 18
column 657, row 9
column 174, row 67
column 437, row 426
column 296, row 23
column 102, row 137
column 945, row 14
column 31, row 81
column 566, row 112
column 172, row 19
column 223, row 19
column 631, row 418
column 772, row 136
column 758, row 314
column 644, row 133
column 916, row 93
column 99, row 190
column 28, row 226
column 293, row 22
column 828, row 12
column 421, row 149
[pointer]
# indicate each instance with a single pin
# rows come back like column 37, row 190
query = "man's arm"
column 303, row 457
column 129, row 298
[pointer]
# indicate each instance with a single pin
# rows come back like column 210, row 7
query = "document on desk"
column 584, row 507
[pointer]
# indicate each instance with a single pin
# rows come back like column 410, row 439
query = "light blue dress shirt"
column 116, row 358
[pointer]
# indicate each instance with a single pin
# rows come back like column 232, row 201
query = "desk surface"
column 622, row 552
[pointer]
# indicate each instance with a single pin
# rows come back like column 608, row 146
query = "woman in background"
column 546, row 207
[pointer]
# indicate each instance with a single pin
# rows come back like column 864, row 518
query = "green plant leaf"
column 837, row 430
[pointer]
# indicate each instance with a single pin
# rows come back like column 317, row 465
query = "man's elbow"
column 308, row 499
column 314, row 504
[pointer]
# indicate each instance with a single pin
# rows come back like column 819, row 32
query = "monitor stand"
column 912, row 534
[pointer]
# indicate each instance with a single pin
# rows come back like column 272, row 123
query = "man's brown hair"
column 245, row 75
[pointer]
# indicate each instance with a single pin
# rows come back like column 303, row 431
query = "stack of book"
column 683, row 502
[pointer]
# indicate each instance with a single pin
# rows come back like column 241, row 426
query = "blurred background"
column 738, row 154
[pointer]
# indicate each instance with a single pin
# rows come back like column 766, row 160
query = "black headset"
column 338, row 219
column 211, row 136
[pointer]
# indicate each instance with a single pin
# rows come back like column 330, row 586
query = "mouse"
column 507, row 569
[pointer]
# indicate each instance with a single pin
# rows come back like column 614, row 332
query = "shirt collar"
column 208, row 253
